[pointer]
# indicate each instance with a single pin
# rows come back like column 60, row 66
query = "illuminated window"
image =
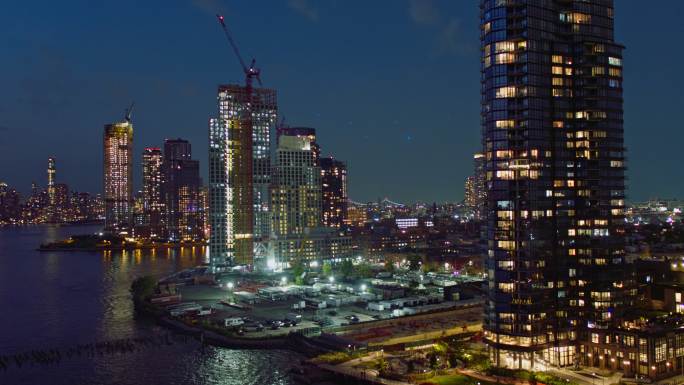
column 558, row 59
column 506, row 287
column 486, row 27
column 505, row 214
column 504, row 58
column 509, row 46
column 598, row 71
column 614, row 61
column 510, row 92
column 505, row 174
column 575, row 17
column 505, row 123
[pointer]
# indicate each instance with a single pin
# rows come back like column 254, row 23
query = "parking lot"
column 268, row 310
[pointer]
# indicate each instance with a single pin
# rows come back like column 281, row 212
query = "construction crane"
column 251, row 72
column 129, row 111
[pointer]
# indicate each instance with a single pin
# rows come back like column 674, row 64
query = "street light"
column 331, row 279
column 363, row 288
column 283, row 280
column 231, row 285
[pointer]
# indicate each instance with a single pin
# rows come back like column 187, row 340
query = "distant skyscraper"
column 476, row 189
column 296, row 188
column 553, row 139
column 334, row 192
column 61, row 202
column 51, row 177
column 181, row 190
column 239, row 172
column 118, row 175
column 10, row 204
column 153, row 200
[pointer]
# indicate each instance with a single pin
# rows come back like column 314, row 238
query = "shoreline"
column 293, row 341
column 118, row 248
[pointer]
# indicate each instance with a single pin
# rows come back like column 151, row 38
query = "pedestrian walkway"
column 368, row 375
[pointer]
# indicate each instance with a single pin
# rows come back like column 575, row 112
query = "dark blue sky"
column 391, row 85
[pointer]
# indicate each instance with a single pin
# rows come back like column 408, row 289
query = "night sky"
column 392, row 86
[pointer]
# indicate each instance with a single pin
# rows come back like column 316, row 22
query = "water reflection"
column 64, row 299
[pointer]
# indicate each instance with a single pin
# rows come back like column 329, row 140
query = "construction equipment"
column 129, row 111
column 251, row 72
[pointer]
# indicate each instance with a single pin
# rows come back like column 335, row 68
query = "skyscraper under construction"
column 553, row 141
column 239, row 172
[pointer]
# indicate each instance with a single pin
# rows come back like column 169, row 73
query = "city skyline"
column 338, row 192
column 440, row 147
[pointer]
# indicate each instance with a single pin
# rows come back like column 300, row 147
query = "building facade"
column 476, row 188
column 51, row 178
column 153, row 199
column 553, row 144
column 335, row 200
column 296, row 188
column 319, row 245
column 308, row 133
column 118, row 175
column 181, row 189
column 239, row 173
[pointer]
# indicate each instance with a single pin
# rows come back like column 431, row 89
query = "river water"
column 58, row 300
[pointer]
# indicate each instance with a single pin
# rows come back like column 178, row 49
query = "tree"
column 346, row 268
column 415, row 261
column 432, row 357
column 453, row 360
column 364, row 270
column 298, row 271
column 143, row 287
column 410, row 366
column 430, row 266
column 389, row 265
column 327, row 269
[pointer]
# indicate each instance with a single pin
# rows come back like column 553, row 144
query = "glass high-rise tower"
column 181, row 191
column 239, row 172
column 335, row 200
column 553, row 142
column 153, row 202
column 296, row 189
column 118, row 175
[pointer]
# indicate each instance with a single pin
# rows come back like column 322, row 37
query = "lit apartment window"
column 505, row 123
column 615, row 61
column 506, row 287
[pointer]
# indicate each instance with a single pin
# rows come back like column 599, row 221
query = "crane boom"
column 251, row 71
column 129, row 111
